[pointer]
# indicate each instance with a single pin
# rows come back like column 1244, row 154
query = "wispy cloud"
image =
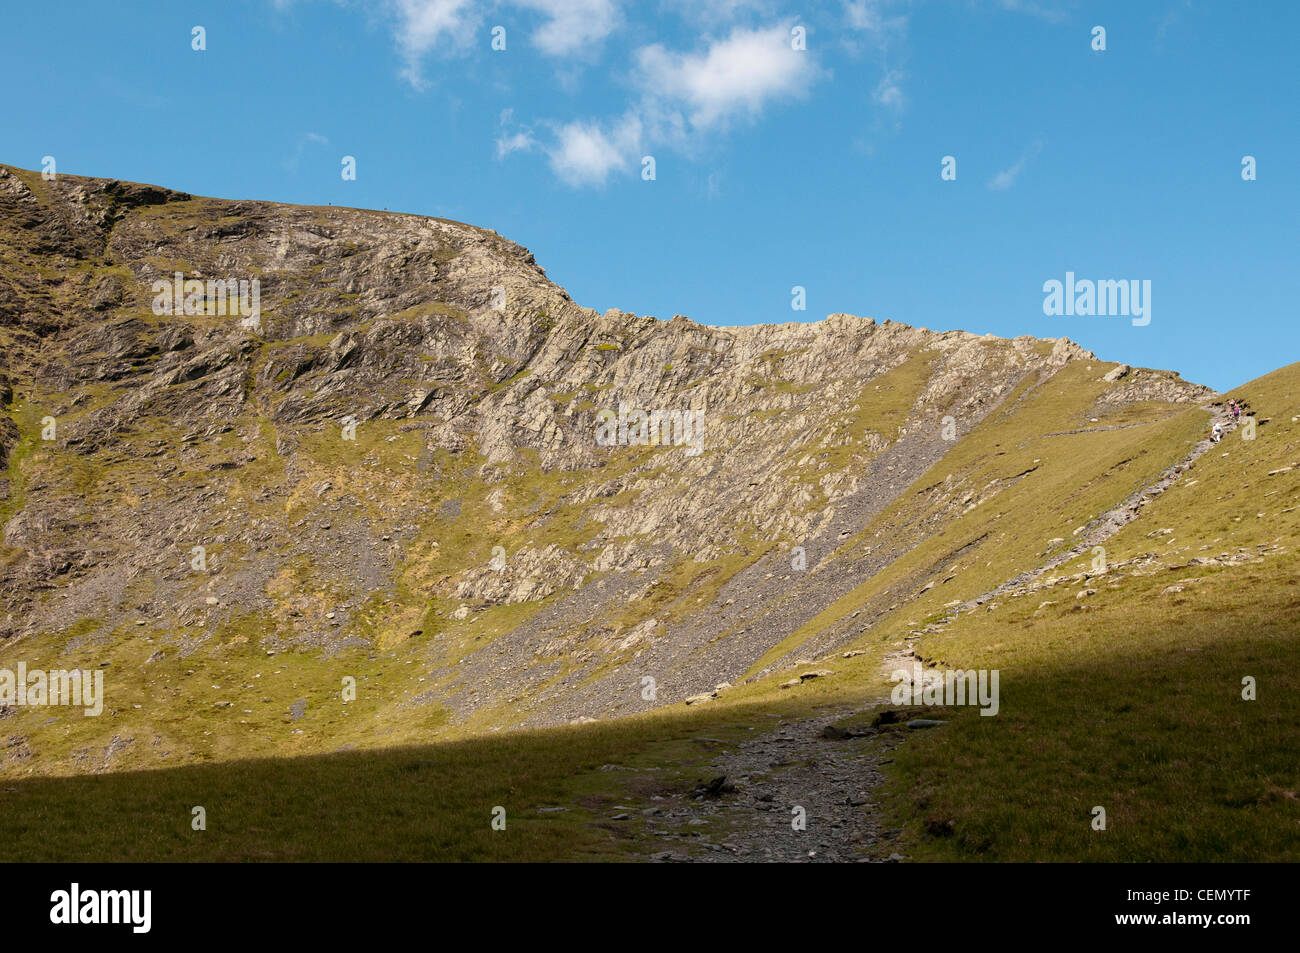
column 293, row 161
column 585, row 154
column 889, row 91
column 521, row 140
column 712, row 186
column 1007, row 177
column 424, row 28
column 426, row 25
column 518, row 142
column 874, row 24
column 572, row 25
column 877, row 27
column 872, row 16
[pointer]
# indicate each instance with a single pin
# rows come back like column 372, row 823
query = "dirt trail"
column 834, row 780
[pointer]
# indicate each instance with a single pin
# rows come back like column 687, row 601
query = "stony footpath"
column 748, row 809
column 823, row 771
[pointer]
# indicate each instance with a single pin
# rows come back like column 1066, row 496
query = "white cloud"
column 573, row 24
column 683, row 97
column 585, row 154
column 734, row 76
column 424, row 25
column 1007, row 177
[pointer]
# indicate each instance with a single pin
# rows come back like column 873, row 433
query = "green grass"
column 425, row 803
column 1134, row 706
column 1131, row 699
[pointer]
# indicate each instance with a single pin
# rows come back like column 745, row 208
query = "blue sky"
column 774, row 167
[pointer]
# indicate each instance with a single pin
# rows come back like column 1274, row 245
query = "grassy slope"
column 1132, row 699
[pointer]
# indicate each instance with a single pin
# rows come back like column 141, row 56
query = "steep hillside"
column 390, row 467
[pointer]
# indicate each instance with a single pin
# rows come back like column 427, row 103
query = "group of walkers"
column 1235, row 408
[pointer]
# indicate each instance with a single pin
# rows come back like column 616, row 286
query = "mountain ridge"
column 470, row 527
